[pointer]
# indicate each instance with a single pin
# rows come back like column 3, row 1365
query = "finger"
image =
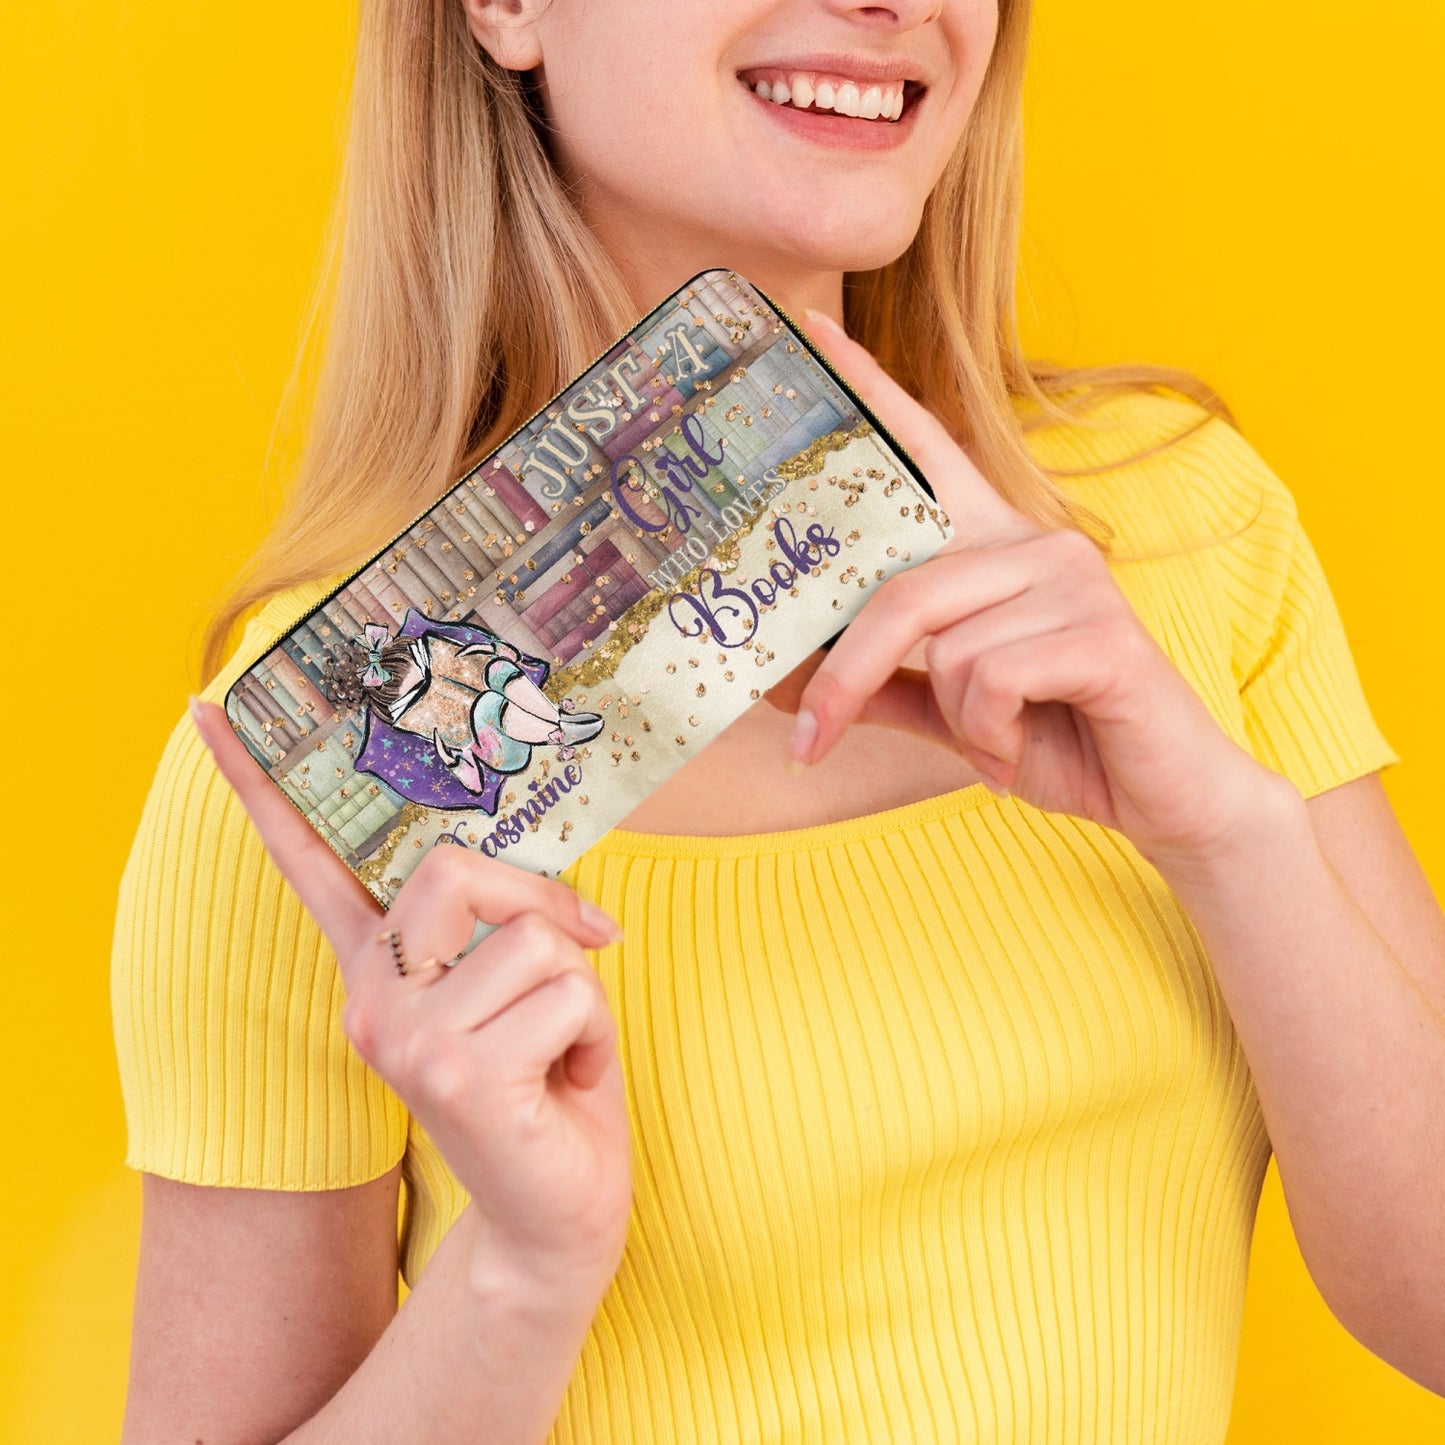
column 452, row 889
column 902, row 612
column 980, row 516
column 331, row 893
column 566, row 1018
column 518, row 957
column 1064, row 667
column 784, row 695
column 950, row 654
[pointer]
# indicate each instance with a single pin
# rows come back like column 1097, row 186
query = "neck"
column 653, row 267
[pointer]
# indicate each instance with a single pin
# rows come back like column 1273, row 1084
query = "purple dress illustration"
column 451, row 710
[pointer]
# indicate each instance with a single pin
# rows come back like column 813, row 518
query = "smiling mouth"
column 880, row 101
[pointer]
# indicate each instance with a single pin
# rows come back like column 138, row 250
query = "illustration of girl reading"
column 451, row 710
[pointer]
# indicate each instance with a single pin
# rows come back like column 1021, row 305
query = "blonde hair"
column 462, row 290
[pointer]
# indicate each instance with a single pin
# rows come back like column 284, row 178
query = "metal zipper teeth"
column 381, row 552
column 863, row 407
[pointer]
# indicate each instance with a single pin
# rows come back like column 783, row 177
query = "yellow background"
column 1248, row 190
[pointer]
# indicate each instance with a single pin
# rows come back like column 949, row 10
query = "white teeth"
column 873, row 102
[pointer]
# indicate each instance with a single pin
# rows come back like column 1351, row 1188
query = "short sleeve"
column 1304, row 710
column 227, row 1001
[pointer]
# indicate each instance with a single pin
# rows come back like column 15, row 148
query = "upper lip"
column 851, row 67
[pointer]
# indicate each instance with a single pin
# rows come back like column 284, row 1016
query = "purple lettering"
column 693, row 435
column 807, row 552
column 710, row 614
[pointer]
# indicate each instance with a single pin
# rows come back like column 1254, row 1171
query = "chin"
column 851, row 253
column 861, row 239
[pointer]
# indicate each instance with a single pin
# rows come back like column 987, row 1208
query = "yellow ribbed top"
column 941, row 1129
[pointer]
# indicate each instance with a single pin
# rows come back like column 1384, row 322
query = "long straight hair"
column 462, row 290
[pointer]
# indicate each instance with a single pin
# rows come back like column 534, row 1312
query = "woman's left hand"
column 1037, row 669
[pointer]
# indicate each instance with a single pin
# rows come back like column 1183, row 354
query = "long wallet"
column 590, row 605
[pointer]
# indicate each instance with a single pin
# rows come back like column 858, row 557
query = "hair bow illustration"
column 376, row 637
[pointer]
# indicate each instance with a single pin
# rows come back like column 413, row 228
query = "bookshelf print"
column 591, row 604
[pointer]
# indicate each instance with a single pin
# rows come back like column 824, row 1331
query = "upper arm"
column 253, row 1307
column 266, row 1276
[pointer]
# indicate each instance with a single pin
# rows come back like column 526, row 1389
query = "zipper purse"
column 589, row 606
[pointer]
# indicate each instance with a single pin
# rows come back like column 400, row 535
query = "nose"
column 900, row 14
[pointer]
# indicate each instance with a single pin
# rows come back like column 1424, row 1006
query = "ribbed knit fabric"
column 941, row 1129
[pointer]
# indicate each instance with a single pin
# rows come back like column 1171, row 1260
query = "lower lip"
column 841, row 132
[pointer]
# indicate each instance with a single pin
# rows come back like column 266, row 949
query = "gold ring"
column 392, row 939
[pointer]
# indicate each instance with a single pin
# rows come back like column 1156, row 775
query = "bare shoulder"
column 254, row 1306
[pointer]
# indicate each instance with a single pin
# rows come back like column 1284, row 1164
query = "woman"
column 950, row 1046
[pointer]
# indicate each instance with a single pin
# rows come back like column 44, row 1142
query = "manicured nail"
column 194, row 704
column 821, row 321
column 599, row 922
column 805, row 734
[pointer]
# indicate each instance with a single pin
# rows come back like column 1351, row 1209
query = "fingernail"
column 821, row 321
column 599, row 922
column 992, row 771
column 804, row 735
column 194, row 704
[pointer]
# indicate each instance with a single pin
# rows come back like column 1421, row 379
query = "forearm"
column 479, row 1353
column 1348, row 1059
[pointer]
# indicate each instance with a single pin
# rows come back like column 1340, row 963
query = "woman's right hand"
column 508, row 1060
